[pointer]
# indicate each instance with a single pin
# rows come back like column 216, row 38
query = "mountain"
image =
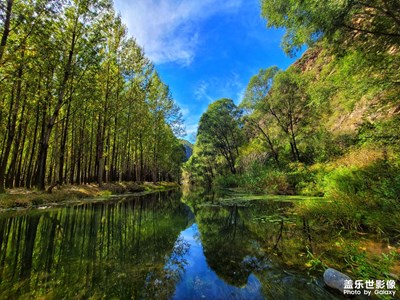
column 188, row 148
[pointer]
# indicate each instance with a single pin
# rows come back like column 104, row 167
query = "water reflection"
column 112, row 250
column 201, row 281
column 154, row 247
column 247, row 248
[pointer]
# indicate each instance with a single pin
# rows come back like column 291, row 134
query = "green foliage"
column 276, row 182
column 217, row 147
column 315, row 262
column 307, row 180
column 328, row 125
column 227, row 181
column 372, row 185
column 258, row 88
column 359, row 197
column 85, row 103
column 220, row 128
column 267, row 180
column 253, row 178
column 308, row 21
column 384, row 133
column 364, row 266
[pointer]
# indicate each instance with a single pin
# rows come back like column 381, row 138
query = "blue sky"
column 204, row 50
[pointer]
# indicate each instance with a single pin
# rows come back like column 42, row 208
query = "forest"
column 297, row 179
column 79, row 100
column 327, row 126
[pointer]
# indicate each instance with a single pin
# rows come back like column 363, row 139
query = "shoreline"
column 24, row 199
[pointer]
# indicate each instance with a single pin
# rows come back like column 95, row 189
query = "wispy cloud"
column 191, row 120
column 230, row 86
column 201, row 92
column 168, row 29
column 191, row 131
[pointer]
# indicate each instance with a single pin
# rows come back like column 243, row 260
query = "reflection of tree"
column 226, row 242
column 283, row 236
column 161, row 282
column 240, row 239
column 99, row 249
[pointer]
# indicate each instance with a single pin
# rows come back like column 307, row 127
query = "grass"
column 24, row 198
column 242, row 195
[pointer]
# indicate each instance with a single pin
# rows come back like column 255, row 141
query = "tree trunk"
column 22, row 158
column 44, row 143
column 64, row 135
column 270, row 144
column 293, row 143
column 6, row 30
column 11, row 126
column 16, row 152
column 28, row 177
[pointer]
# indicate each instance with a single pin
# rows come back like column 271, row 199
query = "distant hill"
column 188, row 148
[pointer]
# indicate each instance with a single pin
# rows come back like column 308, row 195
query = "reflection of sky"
column 198, row 281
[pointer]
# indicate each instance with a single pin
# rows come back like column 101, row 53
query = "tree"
column 202, row 166
column 163, row 112
column 6, row 18
column 308, row 21
column 20, row 24
column 256, row 92
column 288, row 103
column 220, row 126
column 79, row 101
column 75, row 39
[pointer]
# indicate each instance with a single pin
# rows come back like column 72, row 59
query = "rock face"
column 335, row 279
column 188, row 151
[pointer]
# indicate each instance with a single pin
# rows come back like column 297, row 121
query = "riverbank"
column 24, row 198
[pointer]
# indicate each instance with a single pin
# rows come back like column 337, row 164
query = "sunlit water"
column 154, row 247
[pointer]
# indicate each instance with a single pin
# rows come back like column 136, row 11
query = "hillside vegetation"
column 326, row 126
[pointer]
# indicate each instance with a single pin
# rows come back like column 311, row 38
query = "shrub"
column 307, row 181
column 276, row 182
column 266, row 179
column 227, row 181
column 372, row 185
column 360, row 197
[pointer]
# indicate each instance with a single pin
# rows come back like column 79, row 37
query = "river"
column 160, row 246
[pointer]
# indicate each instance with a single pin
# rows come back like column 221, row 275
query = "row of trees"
column 79, row 101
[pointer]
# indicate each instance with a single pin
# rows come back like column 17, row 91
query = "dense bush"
column 307, row 180
column 227, row 181
column 360, row 197
column 265, row 179
column 373, row 185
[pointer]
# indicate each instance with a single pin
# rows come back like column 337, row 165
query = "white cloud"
column 201, row 92
column 240, row 95
column 192, row 128
column 212, row 89
column 168, row 29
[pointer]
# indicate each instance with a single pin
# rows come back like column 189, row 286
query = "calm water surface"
column 158, row 246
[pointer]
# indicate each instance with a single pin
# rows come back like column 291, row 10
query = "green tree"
column 308, row 21
column 288, row 104
column 79, row 101
column 256, row 92
column 220, row 127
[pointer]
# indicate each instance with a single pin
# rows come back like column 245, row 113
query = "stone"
column 335, row 279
